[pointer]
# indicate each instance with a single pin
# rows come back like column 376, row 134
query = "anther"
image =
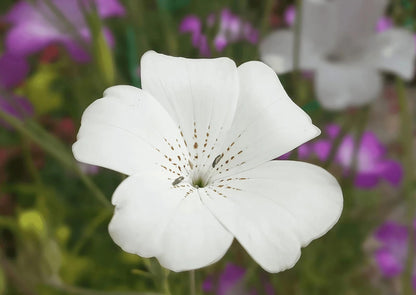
column 217, row 160
column 178, row 180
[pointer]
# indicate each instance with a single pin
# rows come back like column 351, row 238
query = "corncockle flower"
column 372, row 164
column 36, row 25
column 290, row 15
column 231, row 282
column 303, row 152
column 384, row 23
column 196, row 143
column 392, row 253
column 231, row 29
column 13, row 70
column 340, row 44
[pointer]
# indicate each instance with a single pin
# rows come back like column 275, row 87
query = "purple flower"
column 391, row 255
column 385, row 23
column 231, row 29
column 36, row 25
column 303, row 152
column 13, row 70
column 290, row 15
column 231, row 282
column 372, row 164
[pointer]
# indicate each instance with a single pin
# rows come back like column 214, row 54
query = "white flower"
column 340, row 43
column 196, row 142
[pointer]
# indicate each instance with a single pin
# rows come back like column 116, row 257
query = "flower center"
column 199, row 182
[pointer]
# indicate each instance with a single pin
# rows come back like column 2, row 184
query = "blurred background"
column 348, row 64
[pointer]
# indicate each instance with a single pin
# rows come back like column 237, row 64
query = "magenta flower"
column 231, row 29
column 290, row 15
column 385, row 23
column 35, row 26
column 391, row 255
column 303, row 152
column 231, row 282
column 372, row 164
column 13, row 70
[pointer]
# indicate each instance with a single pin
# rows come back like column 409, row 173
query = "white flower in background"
column 196, row 143
column 340, row 43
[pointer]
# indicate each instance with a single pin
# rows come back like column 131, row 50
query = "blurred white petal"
column 277, row 51
column 341, row 85
column 394, row 51
column 356, row 21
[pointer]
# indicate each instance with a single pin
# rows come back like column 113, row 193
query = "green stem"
column 29, row 162
column 91, row 229
column 192, row 287
column 68, row 25
column 268, row 5
column 362, row 123
column 55, row 148
column 73, row 290
column 297, row 84
column 297, row 40
column 337, row 142
column 165, row 282
column 406, row 136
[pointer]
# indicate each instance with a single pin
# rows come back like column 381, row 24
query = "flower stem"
column 298, row 85
column 55, row 148
column 192, row 284
column 406, row 136
column 297, row 40
column 362, row 123
column 268, row 5
column 337, row 142
column 73, row 290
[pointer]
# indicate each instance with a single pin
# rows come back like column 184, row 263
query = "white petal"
column 317, row 39
column 155, row 218
column 356, row 21
column 200, row 94
column 394, row 51
column 342, row 85
column 267, row 123
column 128, row 131
column 319, row 22
column 276, row 208
column 276, row 50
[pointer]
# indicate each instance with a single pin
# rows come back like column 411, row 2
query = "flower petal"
column 200, row 95
column 318, row 35
column 28, row 38
column 340, row 86
column 388, row 263
column 356, row 22
column 110, row 8
column 394, row 51
column 155, row 218
column 129, row 131
column 276, row 50
column 13, row 70
column 276, row 208
column 267, row 123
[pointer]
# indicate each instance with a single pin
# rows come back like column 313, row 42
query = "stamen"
column 217, row 160
column 178, row 180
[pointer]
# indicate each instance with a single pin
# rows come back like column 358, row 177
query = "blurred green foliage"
column 53, row 232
